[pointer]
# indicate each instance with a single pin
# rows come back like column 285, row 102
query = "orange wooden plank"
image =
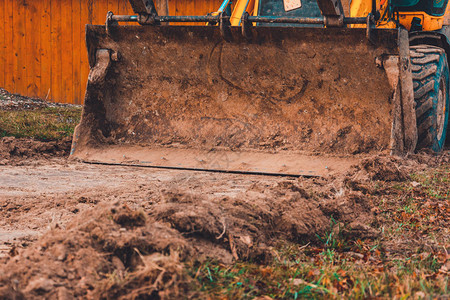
column 86, row 18
column 56, row 88
column 128, row 10
column 89, row 5
column 9, row 55
column 190, row 8
column 123, row 7
column 177, row 10
column 96, row 12
column 172, row 7
column 33, row 59
column 67, row 51
column 93, row 11
column 206, row 6
column 101, row 11
column 20, row 53
column 211, row 6
column 2, row 43
column 194, row 7
column 115, row 9
column 119, row 7
column 45, row 53
column 181, row 8
column 185, row 10
column 76, row 46
column 112, row 6
column 15, row 47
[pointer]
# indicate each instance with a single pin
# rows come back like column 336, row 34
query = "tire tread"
column 424, row 65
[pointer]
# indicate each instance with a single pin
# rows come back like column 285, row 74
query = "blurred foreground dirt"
column 66, row 227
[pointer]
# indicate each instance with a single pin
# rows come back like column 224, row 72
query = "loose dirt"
column 289, row 103
column 74, row 230
column 13, row 151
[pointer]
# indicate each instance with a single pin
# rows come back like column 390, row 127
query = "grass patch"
column 42, row 124
column 317, row 273
column 408, row 260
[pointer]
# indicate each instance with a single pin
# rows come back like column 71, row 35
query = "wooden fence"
column 42, row 46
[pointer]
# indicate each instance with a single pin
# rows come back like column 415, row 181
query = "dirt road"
column 41, row 194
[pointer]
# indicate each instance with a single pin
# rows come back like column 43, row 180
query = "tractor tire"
column 430, row 74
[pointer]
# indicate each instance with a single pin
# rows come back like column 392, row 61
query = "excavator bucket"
column 290, row 101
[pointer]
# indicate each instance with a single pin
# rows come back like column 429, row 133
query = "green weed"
column 42, row 124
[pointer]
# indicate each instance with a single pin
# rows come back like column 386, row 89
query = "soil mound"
column 383, row 168
column 394, row 168
column 114, row 251
column 14, row 150
column 97, row 257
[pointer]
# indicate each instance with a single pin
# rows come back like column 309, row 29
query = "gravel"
column 10, row 101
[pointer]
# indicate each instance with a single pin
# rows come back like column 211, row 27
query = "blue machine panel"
column 309, row 8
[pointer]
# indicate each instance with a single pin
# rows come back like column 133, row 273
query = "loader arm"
column 240, row 8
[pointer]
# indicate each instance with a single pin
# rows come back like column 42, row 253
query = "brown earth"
column 14, row 150
column 73, row 230
column 303, row 97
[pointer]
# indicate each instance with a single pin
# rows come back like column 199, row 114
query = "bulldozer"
column 270, row 87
